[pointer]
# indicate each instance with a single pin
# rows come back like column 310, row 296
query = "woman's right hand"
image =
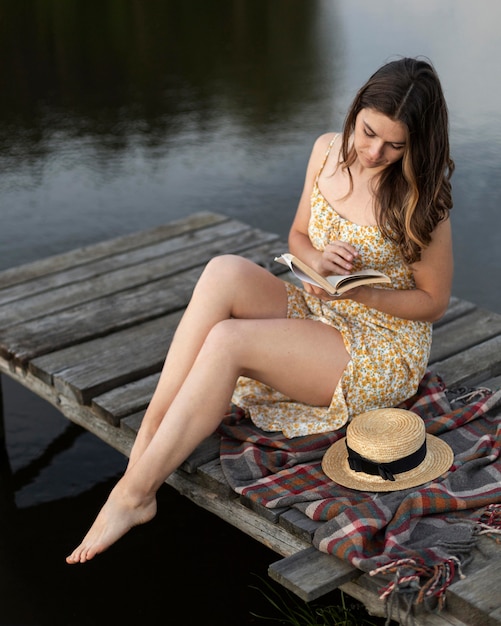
column 337, row 258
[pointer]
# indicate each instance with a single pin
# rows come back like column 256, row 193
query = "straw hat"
column 386, row 450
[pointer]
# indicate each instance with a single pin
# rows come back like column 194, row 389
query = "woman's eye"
column 368, row 133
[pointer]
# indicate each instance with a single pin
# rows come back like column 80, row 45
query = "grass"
column 289, row 609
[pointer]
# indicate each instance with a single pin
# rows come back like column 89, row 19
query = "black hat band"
column 358, row 463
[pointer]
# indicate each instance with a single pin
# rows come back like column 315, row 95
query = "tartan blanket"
column 416, row 541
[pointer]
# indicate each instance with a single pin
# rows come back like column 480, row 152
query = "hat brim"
column 439, row 458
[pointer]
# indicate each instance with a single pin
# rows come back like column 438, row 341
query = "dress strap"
column 331, row 143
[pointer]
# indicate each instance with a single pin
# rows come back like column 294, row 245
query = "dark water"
column 119, row 115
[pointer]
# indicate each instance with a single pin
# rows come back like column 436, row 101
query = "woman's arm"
column 432, row 274
column 299, row 242
column 433, row 277
column 338, row 256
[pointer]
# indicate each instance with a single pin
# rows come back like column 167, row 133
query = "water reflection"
column 143, row 72
column 165, row 107
column 117, row 116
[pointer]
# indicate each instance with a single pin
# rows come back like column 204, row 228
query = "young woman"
column 378, row 195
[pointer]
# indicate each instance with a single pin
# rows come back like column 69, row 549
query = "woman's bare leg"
column 230, row 286
column 301, row 358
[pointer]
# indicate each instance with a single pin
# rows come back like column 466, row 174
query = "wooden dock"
column 88, row 331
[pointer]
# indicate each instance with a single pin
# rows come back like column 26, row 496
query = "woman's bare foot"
column 118, row 515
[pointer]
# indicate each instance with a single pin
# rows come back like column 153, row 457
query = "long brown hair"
column 413, row 194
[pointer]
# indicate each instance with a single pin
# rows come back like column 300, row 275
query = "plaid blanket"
column 417, row 541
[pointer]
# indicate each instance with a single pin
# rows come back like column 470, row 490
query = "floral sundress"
column 389, row 355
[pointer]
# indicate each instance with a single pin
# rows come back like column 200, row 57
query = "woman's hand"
column 351, row 294
column 337, row 258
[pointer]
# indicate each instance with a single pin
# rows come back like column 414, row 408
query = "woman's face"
column 378, row 140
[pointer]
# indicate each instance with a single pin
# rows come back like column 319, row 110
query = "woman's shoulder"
column 325, row 145
column 326, row 150
column 326, row 141
column 322, row 148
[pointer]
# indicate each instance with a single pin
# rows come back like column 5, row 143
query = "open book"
column 334, row 285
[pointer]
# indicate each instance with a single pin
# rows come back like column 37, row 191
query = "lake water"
column 119, row 116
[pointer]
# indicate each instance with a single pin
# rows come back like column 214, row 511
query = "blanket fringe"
column 489, row 521
column 467, row 395
column 424, row 582
column 417, row 583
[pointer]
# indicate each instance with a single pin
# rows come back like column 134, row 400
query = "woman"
column 298, row 360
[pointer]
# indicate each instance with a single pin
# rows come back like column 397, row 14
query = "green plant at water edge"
column 292, row 610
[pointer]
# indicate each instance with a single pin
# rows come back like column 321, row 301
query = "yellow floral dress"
column 389, row 355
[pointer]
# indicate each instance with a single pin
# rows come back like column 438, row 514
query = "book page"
column 334, row 285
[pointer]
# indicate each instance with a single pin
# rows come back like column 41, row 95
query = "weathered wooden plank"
column 204, row 453
column 476, row 598
column 131, row 423
column 455, row 309
column 211, row 476
column 121, row 402
column 366, row 590
column 473, row 366
column 86, row 254
column 311, row 574
column 94, row 367
column 272, row 515
column 97, row 318
column 128, row 271
column 232, row 511
column 109, row 313
column 65, row 282
column 299, row 524
column 464, row 332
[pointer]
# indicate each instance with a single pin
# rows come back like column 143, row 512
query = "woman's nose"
column 375, row 149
